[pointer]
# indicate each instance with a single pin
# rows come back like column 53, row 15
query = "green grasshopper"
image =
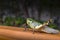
column 39, row 26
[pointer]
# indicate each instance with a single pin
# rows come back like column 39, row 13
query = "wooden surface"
column 15, row 33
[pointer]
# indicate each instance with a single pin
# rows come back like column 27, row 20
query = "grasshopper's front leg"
column 25, row 27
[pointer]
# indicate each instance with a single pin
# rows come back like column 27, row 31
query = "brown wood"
column 15, row 33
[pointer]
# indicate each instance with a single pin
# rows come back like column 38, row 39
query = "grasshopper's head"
column 29, row 21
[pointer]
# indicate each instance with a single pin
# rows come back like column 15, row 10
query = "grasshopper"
column 39, row 26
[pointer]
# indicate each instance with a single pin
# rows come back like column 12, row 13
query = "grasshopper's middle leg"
column 33, row 30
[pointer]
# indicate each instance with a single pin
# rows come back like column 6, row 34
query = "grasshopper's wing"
column 49, row 30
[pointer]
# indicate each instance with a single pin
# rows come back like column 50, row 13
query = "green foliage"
column 52, row 26
column 19, row 21
column 8, row 21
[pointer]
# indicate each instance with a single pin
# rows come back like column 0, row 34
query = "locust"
column 34, row 25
